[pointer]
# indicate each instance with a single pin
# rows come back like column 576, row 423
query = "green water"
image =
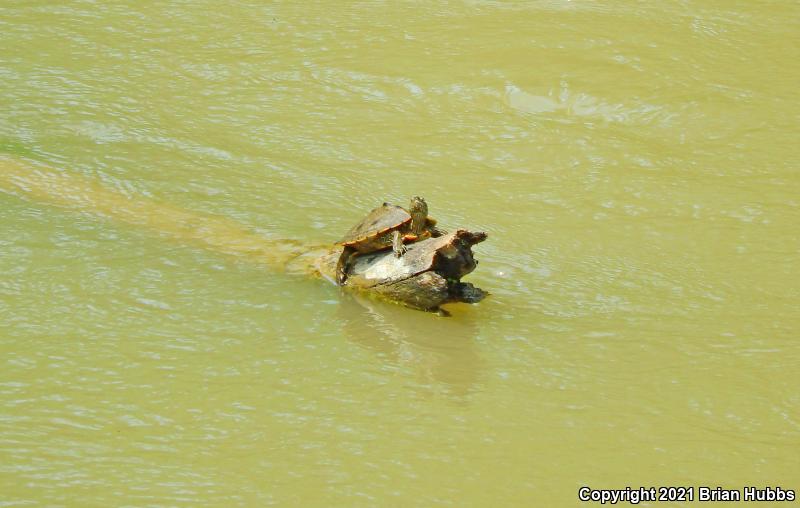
column 635, row 165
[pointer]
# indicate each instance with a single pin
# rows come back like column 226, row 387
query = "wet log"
column 427, row 276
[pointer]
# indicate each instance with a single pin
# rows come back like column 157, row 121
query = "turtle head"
column 419, row 214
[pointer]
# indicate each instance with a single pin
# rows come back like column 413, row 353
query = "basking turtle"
column 386, row 226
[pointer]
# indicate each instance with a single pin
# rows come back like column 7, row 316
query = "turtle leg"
column 343, row 265
column 437, row 232
column 397, row 244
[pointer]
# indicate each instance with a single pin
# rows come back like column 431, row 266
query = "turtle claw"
column 343, row 265
column 397, row 244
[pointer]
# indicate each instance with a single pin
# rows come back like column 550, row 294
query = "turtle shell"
column 376, row 225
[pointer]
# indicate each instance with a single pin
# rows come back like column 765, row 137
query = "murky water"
column 634, row 163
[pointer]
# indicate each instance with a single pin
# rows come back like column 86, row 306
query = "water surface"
column 634, row 163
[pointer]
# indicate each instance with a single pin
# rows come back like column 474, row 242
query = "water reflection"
column 439, row 351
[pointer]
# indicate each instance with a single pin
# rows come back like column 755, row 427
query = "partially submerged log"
column 427, row 276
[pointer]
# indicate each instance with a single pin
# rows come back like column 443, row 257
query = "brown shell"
column 384, row 219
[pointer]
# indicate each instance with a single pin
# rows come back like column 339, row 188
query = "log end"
column 426, row 277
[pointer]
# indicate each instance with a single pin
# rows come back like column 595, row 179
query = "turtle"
column 384, row 227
